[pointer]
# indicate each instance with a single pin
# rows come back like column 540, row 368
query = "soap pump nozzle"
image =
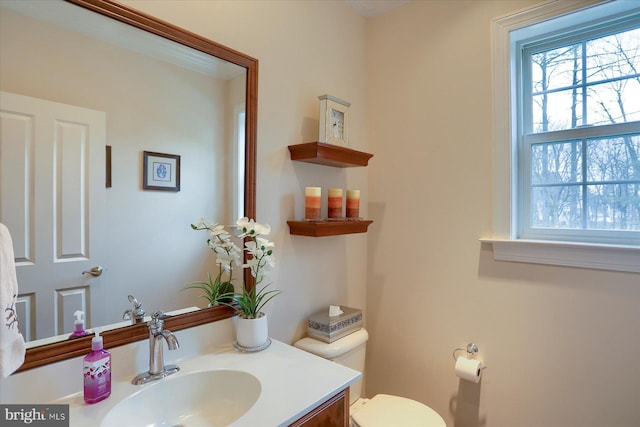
column 97, row 342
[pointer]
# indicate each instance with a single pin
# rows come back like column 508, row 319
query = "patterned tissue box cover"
column 328, row 329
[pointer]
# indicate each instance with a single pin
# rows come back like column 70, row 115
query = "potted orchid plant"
column 251, row 327
column 219, row 290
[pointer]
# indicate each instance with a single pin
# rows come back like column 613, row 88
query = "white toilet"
column 382, row 410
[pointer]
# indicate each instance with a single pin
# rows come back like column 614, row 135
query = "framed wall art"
column 161, row 171
column 107, row 178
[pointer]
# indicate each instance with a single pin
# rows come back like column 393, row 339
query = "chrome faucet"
column 157, row 369
column 136, row 314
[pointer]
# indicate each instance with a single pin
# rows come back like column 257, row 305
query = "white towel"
column 12, row 348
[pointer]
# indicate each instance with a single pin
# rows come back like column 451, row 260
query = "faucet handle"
column 156, row 321
column 134, row 301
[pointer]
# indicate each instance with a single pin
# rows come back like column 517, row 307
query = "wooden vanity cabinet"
column 332, row 413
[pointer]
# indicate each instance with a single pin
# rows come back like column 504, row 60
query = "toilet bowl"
column 382, row 410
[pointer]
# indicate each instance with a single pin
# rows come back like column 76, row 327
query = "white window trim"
column 237, row 159
column 505, row 246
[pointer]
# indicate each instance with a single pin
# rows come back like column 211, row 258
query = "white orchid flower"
column 264, row 243
column 246, row 227
column 243, row 222
column 262, row 229
column 249, row 227
column 217, row 229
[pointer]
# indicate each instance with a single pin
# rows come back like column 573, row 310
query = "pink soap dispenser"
column 78, row 326
column 97, row 372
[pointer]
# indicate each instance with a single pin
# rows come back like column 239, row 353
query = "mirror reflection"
column 74, row 82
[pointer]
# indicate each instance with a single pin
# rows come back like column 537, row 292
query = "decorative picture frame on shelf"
column 334, row 120
column 160, row 171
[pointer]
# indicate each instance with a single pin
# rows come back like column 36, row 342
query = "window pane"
column 556, row 163
column 556, row 68
column 557, row 110
column 614, row 207
column 614, row 102
column 613, row 62
column 605, row 70
column 613, row 159
column 556, row 207
column 613, row 56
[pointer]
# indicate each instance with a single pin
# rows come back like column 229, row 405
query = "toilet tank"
column 348, row 351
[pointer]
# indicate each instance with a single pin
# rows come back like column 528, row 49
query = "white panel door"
column 52, row 196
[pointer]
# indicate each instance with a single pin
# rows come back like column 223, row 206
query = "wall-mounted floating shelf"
column 328, row 155
column 327, row 228
column 335, row 156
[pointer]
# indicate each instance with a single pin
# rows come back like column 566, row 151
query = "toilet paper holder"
column 471, row 350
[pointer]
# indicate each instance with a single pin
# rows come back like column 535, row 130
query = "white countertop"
column 293, row 382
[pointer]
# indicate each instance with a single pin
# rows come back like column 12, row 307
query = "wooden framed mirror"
column 49, row 353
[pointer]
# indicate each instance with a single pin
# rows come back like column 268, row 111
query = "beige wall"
column 559, row 342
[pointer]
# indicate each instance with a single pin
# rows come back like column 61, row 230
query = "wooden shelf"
column 328, row 155
column 327, row 228
column 335, row 156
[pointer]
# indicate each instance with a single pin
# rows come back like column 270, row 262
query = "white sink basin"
column 206, row 398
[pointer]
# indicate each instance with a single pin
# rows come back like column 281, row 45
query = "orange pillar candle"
column 312, row 203
column 353, row 203
column 334, row 205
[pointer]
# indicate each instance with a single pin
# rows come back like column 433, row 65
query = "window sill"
column 601, row 257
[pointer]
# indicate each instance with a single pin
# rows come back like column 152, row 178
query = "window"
column 579, row 134
column 566, row 109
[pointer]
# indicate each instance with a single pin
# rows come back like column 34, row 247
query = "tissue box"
column 328, row 329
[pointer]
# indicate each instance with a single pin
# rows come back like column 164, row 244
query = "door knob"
column 95, row 271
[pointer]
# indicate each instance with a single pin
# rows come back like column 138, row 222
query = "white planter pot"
column 252, row 333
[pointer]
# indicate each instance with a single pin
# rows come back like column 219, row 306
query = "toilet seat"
column 384, row 410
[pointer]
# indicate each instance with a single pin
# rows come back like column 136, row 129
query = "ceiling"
column 370, row 8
